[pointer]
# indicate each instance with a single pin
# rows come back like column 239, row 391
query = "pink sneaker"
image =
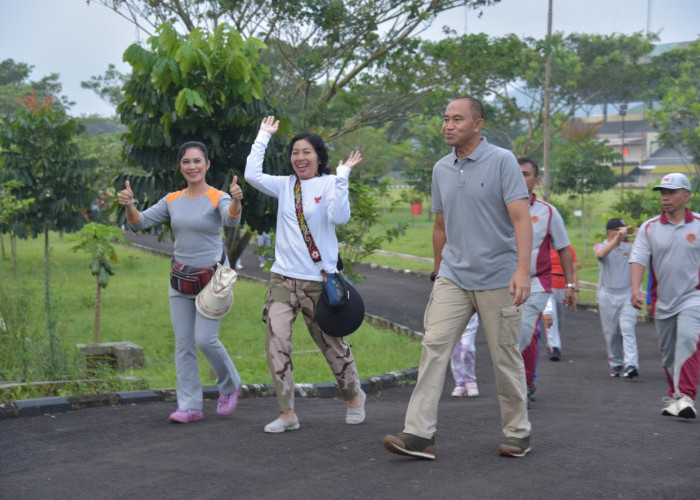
column 227, row 402
column 186, row 415
column 472, row 389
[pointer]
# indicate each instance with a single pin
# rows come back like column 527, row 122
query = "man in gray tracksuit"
column 617, row 315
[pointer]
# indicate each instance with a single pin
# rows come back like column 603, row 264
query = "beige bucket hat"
column 216, row 300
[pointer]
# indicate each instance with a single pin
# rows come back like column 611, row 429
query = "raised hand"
column 269, row 125
column 354, row 158
column 126, row 195
column 235, row 190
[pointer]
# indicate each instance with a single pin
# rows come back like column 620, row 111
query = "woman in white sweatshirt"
column 295, row 281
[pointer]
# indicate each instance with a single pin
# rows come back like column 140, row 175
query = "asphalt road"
column 593, row 436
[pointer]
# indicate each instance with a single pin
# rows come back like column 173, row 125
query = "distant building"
column 645, row 159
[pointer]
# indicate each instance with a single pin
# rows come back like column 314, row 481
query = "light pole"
column 623, row 113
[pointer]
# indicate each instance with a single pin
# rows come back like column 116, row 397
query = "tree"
column 426, row 144
column 15, row 84
column 37, row 149
column 10, row 208
column 206, row 87
column 580, row 165
column 108, row 86
column 102, row 145
column 96, row 239
column 380, row 153
column 332, row 60
column 678, row 117
column 508, row 74
column 358, row 237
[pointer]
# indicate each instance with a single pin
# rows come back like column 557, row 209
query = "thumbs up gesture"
column 236, row 196
column 126, row 195
column 235, row 190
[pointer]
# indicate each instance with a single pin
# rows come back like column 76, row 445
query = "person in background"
column 559, row 313
column 263, row 242
column 617, row 316
column 548, row 232
column 668, row 244
column 295, row 279
column 463, row 362
column 197, row 216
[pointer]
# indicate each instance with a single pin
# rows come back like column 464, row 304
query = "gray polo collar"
column 475, row 155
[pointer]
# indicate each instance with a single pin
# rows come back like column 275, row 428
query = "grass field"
column 135, row 308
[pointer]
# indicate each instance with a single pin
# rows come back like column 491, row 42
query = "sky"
column 80, row 41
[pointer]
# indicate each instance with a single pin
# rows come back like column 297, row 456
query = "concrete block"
column 121, row 355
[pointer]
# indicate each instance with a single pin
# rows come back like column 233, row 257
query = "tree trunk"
column 55, row 361
column 47, row 274
column 98, row 299
column 583, row 226
column 2, row 246
column 13, row 250
column 235, row 244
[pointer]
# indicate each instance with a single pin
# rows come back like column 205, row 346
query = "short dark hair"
column 189, row 145
column 319, row 146
column 524, row 159
column 475, row 105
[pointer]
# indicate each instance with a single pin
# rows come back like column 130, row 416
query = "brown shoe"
column 411, row 445
column 515, row 447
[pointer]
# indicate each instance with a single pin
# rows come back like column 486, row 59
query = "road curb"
column 52, row 405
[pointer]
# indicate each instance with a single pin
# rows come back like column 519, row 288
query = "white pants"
column 558, row 315
column 618, row 319
column 463, row 359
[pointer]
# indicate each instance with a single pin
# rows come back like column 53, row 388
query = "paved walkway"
column 593, row 436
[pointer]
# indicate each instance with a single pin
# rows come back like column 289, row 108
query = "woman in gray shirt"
column 197, row 215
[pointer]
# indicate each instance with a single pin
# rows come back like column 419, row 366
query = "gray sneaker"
column 515, row 447
column 411, row 445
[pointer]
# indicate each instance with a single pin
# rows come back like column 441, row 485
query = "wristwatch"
column 571, row 285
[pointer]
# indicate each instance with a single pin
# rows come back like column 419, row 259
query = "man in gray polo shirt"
column 482, row 240
column 668, row 244
column 617, row 316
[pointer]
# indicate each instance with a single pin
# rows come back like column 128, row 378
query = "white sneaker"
column 459, row 391
column 281, row 425
column 472, row 389
column 679, row 407
column 356, row 415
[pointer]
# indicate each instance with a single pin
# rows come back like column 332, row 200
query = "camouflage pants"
column 285, row 298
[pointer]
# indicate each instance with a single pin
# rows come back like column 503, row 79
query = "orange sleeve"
column 134, row 221
column 231, row 214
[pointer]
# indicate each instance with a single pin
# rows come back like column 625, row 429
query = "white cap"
column 216, row 300
column 673, row 181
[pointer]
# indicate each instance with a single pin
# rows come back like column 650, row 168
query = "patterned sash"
column 305, row 233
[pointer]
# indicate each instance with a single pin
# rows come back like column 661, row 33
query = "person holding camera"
column 617, row 316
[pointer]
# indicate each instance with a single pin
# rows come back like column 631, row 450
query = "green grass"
column 135, row 309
